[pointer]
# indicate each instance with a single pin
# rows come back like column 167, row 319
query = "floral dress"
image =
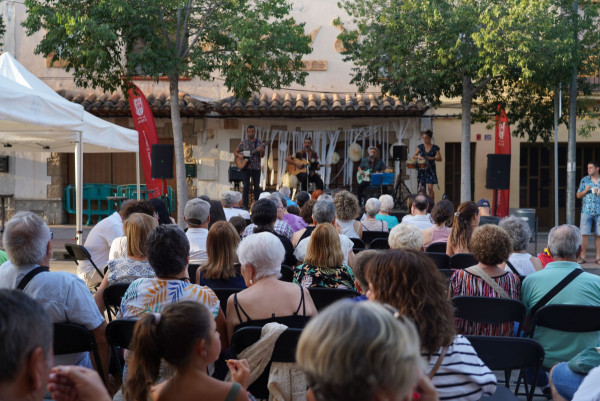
column 329, row 277
column 428, row 175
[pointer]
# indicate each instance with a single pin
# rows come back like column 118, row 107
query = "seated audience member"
column 239, row 224
column 441, row 214
column 564, row 244
column 296, row 222
column 466, row 219
column 229, row 201
column 323, row 264
column 287, row 193
column 491, row 246
column 316, row 193
column 387, row 204
column 160, row 210
column 26, row 355
column 3, row 257
column 406, row 236
column 281, row 227
column 361, row 352
column 324, row 212
column 346, row 211
column 409, row 281
column 221, row 270
column 135, row 265
column 564, row 382
column 184, row 335
column 64, row 296
column 301, row 198
column 267, row 299
column 370, row 223
column 306, row 214
column 484, row 213
column 520, row 262
column 216, row 212
column 418, row 213
column 326, row 197
column 294, row 210
column 197, row 217
column 589, row 389
column 118, row 247
column 360, row 282
column 168, row 250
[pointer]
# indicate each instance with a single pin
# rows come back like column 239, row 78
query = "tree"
column 251, row 43
column 430, row 49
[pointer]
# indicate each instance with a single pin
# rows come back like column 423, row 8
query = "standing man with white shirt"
column 197, row 216
column 590, row 209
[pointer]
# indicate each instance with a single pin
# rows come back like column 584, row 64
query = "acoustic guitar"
column 365, row 175
column 295, row 170
column 241, row 162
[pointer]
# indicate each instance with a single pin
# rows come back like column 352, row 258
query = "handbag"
column 585, row 361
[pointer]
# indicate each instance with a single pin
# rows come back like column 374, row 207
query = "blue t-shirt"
column 390, row 220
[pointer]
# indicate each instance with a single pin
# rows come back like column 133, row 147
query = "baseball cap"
column 196, row 211
column 483, row 203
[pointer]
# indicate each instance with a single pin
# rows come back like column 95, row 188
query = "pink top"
column 439, row 235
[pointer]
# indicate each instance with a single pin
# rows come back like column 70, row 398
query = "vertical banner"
column 502, row 196
column 144, row 125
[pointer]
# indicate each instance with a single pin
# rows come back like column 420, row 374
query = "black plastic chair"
column 488, row 310
column 379, row 243
column 287, row 274
column 323, row 297
column 442, row 261
column 119, row 334
column 70, row 338
column 223, row 294
column 192, row 269
column 78, row 252
column 447, row 272
column 284, row 351
column 509, row 353
column 436, row 247
column 357, row 250
column 462, row 260
column 569, row 318
column 369, row 236
column 112, row 298
column 358, row 243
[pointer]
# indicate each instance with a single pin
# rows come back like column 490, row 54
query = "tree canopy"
column 250, row 43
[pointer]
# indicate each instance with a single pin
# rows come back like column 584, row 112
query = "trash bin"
column 529, row 216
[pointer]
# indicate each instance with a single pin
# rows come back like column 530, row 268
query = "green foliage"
column 105, row 42
column 2, row 29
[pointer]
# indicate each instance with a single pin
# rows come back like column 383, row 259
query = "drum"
column 411, row 163
column 422, row 164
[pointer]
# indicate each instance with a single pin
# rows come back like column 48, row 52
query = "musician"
column 254, row 152
column 429, row 153
column 369, row 165
column 301, row 159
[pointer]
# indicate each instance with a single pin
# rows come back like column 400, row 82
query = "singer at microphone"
column 309, row 158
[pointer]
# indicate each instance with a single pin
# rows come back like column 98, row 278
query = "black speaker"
column 498, row 172
column 399, row 153
column 235, row 174
column 162, row 161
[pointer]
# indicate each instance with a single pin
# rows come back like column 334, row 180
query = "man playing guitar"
column 247, row 159
column 301, row 160
column 368, row 166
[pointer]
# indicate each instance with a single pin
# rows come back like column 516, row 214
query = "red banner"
column 144, row 125
column 502, row 196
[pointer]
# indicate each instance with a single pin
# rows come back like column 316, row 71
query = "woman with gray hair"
column 387, row 204
column 520, row 261
column 229, row 201
column 370, row 223
column 406, row 235
column 267, row 299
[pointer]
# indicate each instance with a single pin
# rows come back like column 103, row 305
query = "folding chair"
column 223, row 294
column 462, row 260
column 358, row 243
column 119, row 334
column 323, row 297
column 369, row 236
column 442, row 261
column 569, row 318
column 70, row 338
column 78, row 252
column 379, row 243
column 488, row 310
column 447, row 273
column 436, row 247
column 192, row 269
column 509, row 353
column 284, row 351
column 287, row 274
column 112, row 298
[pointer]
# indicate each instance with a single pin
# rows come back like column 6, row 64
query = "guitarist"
column 247, row 158
column 307, row 157
column 368, row 166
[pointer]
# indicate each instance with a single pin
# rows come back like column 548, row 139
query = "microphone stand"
column 307, row 169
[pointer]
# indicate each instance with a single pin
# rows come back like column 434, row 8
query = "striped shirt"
column 462, row 376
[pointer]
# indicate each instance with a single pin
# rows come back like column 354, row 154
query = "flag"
column 502, row 196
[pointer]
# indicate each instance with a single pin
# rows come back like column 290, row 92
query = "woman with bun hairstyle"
column 185, row 336
column 466, row 219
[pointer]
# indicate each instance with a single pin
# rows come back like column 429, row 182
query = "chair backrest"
column 120, row 332
column 462, row 260
column 501, row 353
column 284, row 351
column 323, row 297
column 570, row 318
column 447, row 272
column 112, row 298
column 287, row 274
column 79, row 252
column 192, row 269
column 436, row 247
column 223, row 294
column 488, row 310
column 368, row 236
column 442, row 261
column 358, row 243
column 379, row 243
column 70, row 338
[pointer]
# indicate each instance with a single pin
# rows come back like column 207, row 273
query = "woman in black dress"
column 429, row 153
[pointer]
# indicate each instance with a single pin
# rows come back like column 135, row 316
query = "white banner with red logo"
column 144, row 125
column 502, row 196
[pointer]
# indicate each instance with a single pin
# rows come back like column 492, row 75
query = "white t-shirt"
column 421, row 221
column 231, row 212
column 589, row 390
column 345, row 242
column 197, row 238
column 522, row 263
column 98, row 243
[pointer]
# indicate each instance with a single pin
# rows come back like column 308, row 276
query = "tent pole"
column 137, row 173
column 79, row 188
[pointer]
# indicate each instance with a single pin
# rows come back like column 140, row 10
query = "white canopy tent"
column 34, row 118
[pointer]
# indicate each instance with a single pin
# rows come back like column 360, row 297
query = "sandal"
column 598, row 261
column 582, row 261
